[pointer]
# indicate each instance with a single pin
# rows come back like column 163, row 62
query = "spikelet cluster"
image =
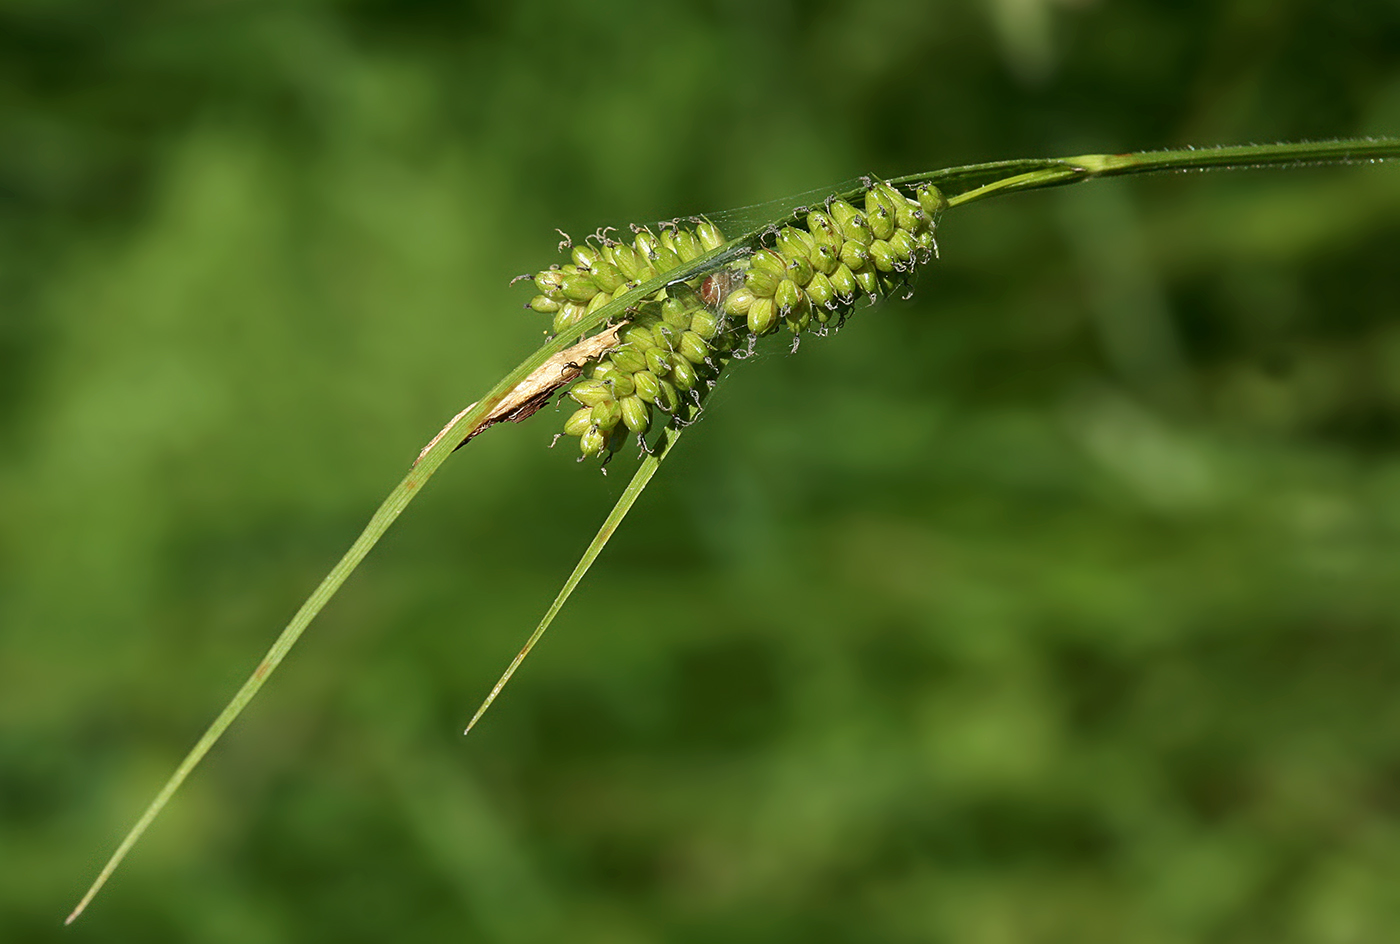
column 670, row 355
column 816, row 273
column 600, row 273
column 675, row 343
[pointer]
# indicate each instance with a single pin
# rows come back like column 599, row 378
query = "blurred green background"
column 1060, row 603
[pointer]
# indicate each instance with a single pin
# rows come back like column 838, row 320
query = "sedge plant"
column 646, row 326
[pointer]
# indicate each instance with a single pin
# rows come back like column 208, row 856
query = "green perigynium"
column 677, row 342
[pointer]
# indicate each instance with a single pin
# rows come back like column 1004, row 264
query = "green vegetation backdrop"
column 1059, row 604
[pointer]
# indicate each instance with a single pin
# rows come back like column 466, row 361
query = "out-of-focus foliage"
column 1061, row 603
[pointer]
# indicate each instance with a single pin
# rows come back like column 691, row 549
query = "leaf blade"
column 640, row 479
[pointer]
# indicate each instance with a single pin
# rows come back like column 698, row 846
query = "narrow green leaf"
column 610, row 525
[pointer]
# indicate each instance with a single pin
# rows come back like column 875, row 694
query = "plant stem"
column 965, row 184
column 962, row 184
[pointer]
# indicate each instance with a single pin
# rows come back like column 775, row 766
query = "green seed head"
column 647, row 386
column 550, row 282
column 788, row 296
column 663, row 334
column 686, row 293
column 579, row 421
column 878, row 215
column 693, row 348
column 824, row 258
column 844, row 282
column 681, row 335
column 683, row 374
column 854, row 254
column 704, row 324
column 738, row 301
column 578, row 287
column 607, row 276
column 793, row 243
column 619, row 382
column 606, row 414
column 593, row 442
column 665, row 259
column 823, row 229
column 636, row 414
column 688, row 246
column 799, row 270
column 667, row 398
column 590, row 392
column 821, row 293
column 762, row 316
column 710, row 236
column 889, row 197
column 932, row 200
column 902, row 245
column 768, row 260
column 629, row 359
column 852, row 222
column 617, row 438
column 658, row 361
column 568, row 315
column 883, row 256
column 638, row 337
column 627, row 260
column 646, row 243
column 584, row 256
column 762, row 281
column 910, row 217
column 648, row 314
column 676, row 312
